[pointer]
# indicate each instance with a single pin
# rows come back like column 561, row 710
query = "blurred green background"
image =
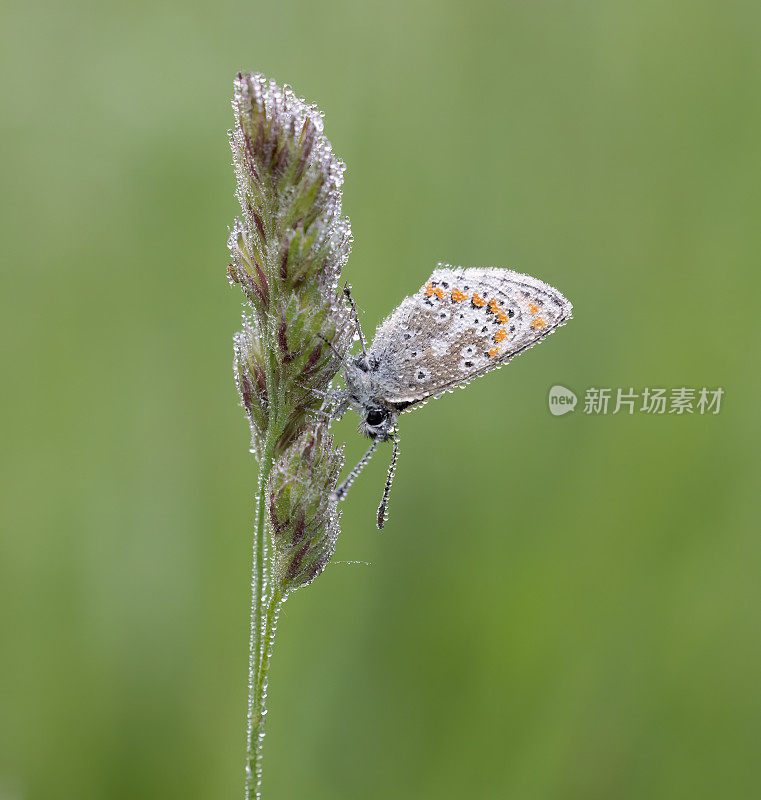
column 559, row 608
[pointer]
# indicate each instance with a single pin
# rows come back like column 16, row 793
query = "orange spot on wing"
column 533, row 308
column 458, row 296
column 500, row 335
column 538, row 323
column 493, row 306
column 502, row 317
column 429, row 290
column 439, row 292
column 478, row 301
column 493, row 352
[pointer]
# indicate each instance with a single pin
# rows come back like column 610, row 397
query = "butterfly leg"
column 341, row 491
column 347, row 293
column 383, row 507
column 318, row 392
column 318, row 413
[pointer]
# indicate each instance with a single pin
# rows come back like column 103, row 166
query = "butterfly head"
column 377, row 417
column 377, row 422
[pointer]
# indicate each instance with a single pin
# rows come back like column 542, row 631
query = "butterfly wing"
column 461, row 324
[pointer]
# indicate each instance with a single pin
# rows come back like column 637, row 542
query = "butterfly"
column 460, row 324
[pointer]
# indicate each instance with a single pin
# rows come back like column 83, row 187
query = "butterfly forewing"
column 460, row 324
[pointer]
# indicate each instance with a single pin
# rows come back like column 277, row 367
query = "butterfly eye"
column 375, row 416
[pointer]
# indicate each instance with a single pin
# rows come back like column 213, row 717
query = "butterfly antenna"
column 347, row 293
column 341, row 491
column 383, row 507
